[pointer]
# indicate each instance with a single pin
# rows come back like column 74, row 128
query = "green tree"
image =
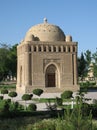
column 94, row 56
column 4, row 60
column 75, row 120
column 88, row 57
column 13, row 60
column 8, row 60
column 80, row 118
column 95, row 70
column 82, row 67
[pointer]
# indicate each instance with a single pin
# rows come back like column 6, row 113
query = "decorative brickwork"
column 47, row 59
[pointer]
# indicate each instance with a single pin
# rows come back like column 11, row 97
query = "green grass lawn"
column 9, row 86
column 45, row 100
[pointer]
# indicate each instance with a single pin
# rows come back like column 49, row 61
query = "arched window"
column 45, row 48
column 50, row 49
column 30, row 48
column 39, row 48
column 69, row 49
column 73, row 49
column 35, row 48
column 59, row 49
column 64, row 49
column 54, row 49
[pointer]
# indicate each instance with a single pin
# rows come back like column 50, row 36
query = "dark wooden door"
column 51, row 80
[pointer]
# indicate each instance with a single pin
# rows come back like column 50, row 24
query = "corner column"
column 18, row 67
column 75, row 69
column 27, row 67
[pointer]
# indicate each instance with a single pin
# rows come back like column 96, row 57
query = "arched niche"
column 51, row 76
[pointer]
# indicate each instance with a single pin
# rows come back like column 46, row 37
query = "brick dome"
column 45, row 32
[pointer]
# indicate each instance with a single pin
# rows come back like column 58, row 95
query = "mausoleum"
column 46, row 59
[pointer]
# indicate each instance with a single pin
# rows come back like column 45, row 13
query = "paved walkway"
column 42, row 106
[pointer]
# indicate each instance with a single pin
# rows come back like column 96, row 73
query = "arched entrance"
column 51, row 76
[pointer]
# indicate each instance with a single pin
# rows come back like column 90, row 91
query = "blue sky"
column 75, row 17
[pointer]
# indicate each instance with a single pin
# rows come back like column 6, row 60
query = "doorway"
column 51, row 76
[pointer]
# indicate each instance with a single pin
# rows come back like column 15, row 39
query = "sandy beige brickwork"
column 47, row 59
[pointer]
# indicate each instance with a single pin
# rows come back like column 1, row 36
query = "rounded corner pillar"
column 27, row 67
column 75, row 70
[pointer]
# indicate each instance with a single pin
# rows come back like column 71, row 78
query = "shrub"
column 66, row 94
column 26, row 97
column 50, row 106
column 75, row 120
column 38, row 92
column 31, row 95
column 14, row 106
column 85, row 109
column 59, row 101
column 4, row 91
column 5, row 107
column 94, row 110
column 1, row 97
column 32, row 107
column 20, row 107
column 87, row 84
column 45, row 125
column 12, row 94
column 7, row 100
